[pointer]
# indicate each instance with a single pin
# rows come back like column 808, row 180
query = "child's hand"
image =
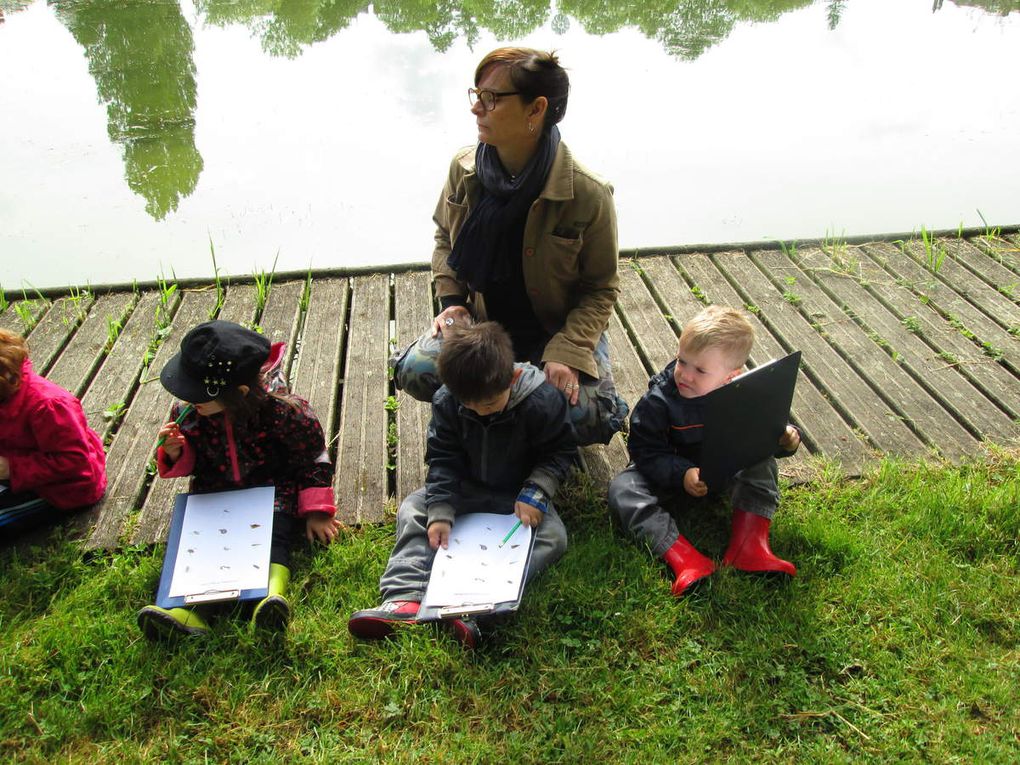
column 530, row 516
column 173, row 444
column 439, row 534
column 790, row 439
column 693, row 484
column 323, row 527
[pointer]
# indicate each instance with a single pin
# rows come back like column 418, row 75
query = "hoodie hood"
column 525, row 383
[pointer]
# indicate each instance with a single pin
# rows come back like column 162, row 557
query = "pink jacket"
column 51, row 449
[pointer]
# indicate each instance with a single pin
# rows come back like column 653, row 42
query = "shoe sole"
column 272, row 614
column 374, row 627
column 158, row 626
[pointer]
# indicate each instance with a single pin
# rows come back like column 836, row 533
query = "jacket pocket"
column 456, row 214
column 561, row 256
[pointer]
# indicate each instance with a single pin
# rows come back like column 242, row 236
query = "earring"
column 531, row 127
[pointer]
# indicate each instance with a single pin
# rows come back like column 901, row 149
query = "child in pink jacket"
column 50, row 460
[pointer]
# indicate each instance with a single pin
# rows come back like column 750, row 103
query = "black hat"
column 214, row 356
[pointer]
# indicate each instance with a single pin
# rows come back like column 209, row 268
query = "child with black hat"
column 236, row 435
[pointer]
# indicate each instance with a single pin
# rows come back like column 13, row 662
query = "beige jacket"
column 570, row 253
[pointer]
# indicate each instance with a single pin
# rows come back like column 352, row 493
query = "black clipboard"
column 745, row 419
column 472, row 607
column 178, row 547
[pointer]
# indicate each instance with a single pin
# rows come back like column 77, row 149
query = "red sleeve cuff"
column 316, row 500
column 184, row 466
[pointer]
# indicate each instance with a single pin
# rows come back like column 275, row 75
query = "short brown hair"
column 533, row 73
column 476, row 362
column 719, row 326
column 13, row 352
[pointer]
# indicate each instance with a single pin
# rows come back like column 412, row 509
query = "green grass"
column 897, row 642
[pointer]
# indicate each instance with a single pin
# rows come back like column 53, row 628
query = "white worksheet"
column 475, row 568
column 224, row 543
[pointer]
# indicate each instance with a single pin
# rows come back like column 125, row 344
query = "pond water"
column 138, row 135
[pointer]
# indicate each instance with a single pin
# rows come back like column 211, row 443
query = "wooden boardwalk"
column 907, row 350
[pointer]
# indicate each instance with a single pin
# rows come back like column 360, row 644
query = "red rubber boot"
column 749, row 547
column 687, row 564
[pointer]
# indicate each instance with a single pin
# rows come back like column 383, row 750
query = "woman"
column 50, row 460
column 526, row 236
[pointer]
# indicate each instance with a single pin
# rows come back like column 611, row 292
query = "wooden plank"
column 83, row 355
column 951, row 348
column 133, row 446
column 991, row 270
column 413, row 310
column 1002, row 249
column 655, row 340
column 55, row 329
column 281, row 316
column 938, row 428
column 119, row 371
column 990, row 301
column 12, row 322
column 943, row 382
column 360, row 484
column 239, row 305
column 880, row 423
column 316, row 372
column 948, row 302
column 822, row 427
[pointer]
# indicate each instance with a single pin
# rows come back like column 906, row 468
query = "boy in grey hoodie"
column 500, row 440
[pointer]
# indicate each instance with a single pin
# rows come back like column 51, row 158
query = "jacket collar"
column 559, row 186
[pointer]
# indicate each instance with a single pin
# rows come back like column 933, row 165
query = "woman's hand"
column 455, row 314
column 5, row 469
column 323, row 527
column 564, row 379
column 173, row 443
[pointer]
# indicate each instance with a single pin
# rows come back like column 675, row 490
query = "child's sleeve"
column 63, row 453
column 447, row 460
column 649, row 447
column 553, row 440
column 185, row 464
column 308, row 461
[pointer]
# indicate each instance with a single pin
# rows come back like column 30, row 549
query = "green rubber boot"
column 273, row 611
column 166, row 624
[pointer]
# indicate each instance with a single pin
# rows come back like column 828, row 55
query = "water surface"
column 138, row 134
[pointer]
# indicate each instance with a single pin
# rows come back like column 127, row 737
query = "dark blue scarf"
column 483, row 248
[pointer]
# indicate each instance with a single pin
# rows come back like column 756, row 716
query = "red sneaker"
column 376, row 623
column 465, row 632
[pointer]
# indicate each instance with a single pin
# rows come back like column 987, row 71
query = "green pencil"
column 179, row 420
column 510, row 533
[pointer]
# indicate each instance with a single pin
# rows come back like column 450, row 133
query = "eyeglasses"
column 488, row 97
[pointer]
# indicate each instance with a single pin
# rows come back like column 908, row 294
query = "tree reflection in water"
column 140, row 52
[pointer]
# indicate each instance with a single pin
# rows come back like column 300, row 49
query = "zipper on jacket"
column 232, row 450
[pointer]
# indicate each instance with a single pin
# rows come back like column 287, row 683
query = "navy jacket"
column 532, row 439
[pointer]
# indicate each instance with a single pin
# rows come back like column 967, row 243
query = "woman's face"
column 506, row 125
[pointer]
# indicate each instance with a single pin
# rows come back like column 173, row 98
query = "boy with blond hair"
column 666, row 431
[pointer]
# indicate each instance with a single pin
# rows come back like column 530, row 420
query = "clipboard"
column 474, row 576
column 218, row 548
column 745, row 419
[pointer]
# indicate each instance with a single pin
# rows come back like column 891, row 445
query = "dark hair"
column 534, row 73
column 243, row 407
column 476, row 362
column 13, row 352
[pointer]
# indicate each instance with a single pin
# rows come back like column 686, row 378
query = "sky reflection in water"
column 138, row 133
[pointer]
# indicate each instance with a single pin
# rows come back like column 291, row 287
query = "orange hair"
column 13, row 352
